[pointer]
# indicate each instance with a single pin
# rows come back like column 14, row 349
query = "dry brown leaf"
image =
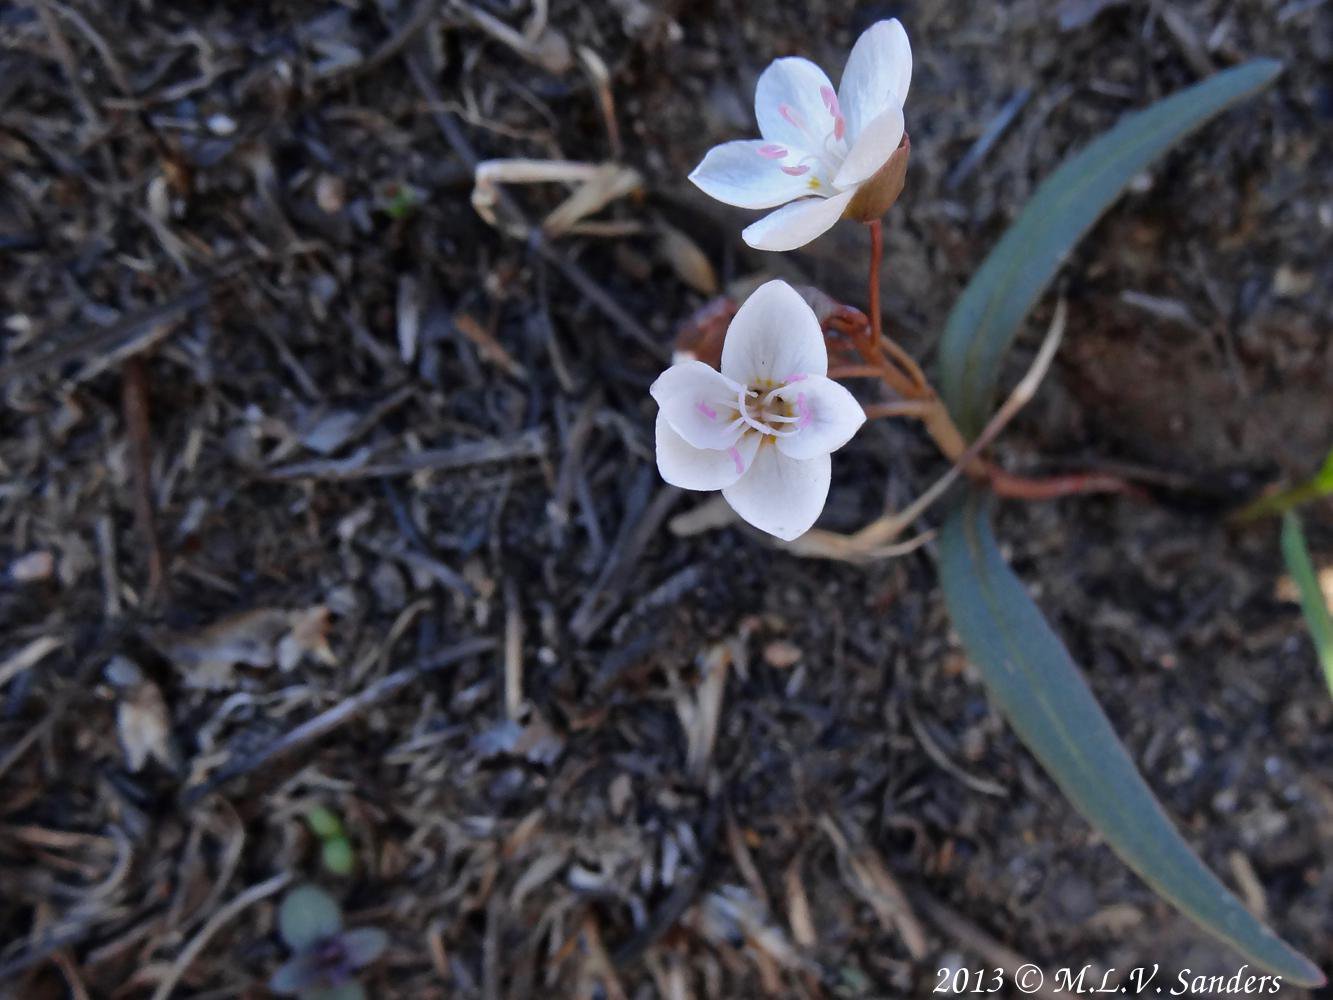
column 33, row 567
column 309, row 635
column 782, row 654
column 690, row 263
column 262, row 637
column 142, row 720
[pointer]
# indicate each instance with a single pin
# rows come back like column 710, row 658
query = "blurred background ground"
column 243, row 287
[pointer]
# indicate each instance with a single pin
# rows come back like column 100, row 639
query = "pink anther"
column 834, row 109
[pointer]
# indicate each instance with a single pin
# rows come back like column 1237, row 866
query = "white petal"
column 781, row 495
column 830, row 416
column 699, row 403
column 773, row 336
column 795, row 225
column 690, row 468
column 736, row 173
column 877, row 75
column 797, row 85
column 872, row 148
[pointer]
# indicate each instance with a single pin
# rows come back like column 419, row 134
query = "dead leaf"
column 263, row 637
column 142, row 720
column 782, row 654
column 309, row 635
column 690, row 263
column 33, row 567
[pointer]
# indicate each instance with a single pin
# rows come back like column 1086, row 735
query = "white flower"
column 761, row 430
column 818, row 146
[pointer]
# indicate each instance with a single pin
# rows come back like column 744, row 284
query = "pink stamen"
column 706, row 410
column 772, row 151
column 834, row 109
column 803, row 410
column 789, row 113
column 735, row 454
column 795, row 171
column 795, row 378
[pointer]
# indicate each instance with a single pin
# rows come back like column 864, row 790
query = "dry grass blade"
column 220, row 918
column 865, row 874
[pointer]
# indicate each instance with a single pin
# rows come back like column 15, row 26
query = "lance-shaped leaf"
column 1301, row 567
column 1025, row 666
column 992, row 308
column 1032, row 679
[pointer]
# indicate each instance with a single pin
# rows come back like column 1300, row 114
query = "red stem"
column 876, row 260
column 1015, row 487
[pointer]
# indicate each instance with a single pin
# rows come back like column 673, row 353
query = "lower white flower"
column 761, row 430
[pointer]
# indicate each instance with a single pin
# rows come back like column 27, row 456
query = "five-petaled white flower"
column 760, row 430
column 816, row 142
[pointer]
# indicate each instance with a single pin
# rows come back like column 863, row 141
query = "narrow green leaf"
column 994, row 305
column 1317, row 617
column 1033, row 680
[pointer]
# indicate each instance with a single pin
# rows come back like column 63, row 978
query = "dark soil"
column 287, row 423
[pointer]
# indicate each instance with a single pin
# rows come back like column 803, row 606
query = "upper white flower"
column 818, row 145
column 761, row 430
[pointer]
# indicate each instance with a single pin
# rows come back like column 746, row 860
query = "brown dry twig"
column 536, row 240
column 342, row 713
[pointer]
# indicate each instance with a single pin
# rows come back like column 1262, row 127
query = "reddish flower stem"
column 1014, row 487
column 875, row 355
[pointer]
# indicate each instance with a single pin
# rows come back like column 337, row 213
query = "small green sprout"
column 324, row 956
column 399, row 200
column 1318, row 486
column 335, row 847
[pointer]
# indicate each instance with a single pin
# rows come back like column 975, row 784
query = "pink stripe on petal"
column 789, row 113
column 803, row 409
column 839, row 127
column 735, row 454
column 798, row 377
column 706, row 410
column 796, row 171
column 830, row 101
column 772, row 151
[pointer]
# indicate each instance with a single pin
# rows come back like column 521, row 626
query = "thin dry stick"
column 820, row 544
column 899, row 408
column 513, row 655
column 855, row 371
column 134, row 397
column 876, row 352
column 537, row 241
column 324, row 723
column 907, row 362
column 224, row 915
column 977, row 941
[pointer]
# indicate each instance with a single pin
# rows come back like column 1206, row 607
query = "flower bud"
column 877, row 195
